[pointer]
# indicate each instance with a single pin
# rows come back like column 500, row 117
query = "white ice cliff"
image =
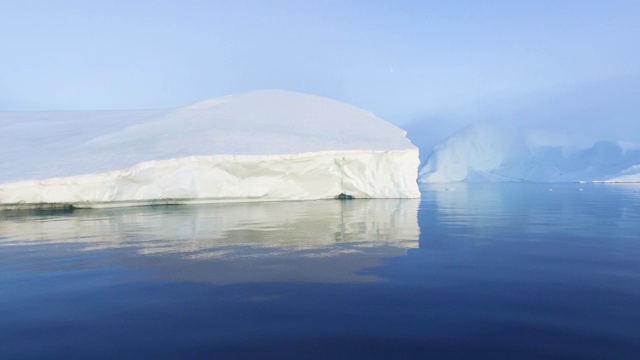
column 262, row 145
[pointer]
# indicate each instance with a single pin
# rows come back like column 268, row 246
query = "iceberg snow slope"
column 262, row 145
column 486, row 152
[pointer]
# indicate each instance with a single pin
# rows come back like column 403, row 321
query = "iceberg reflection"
column 237, row 242
column 465, row 211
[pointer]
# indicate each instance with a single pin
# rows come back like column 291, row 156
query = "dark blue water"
column 490, row 271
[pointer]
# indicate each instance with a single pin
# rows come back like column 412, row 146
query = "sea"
column 469, row 271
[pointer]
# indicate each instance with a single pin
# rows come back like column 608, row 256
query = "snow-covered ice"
column 261, row 145
column 488, row 152
column 628, row 175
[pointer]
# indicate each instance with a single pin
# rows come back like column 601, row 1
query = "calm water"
column 500, row 271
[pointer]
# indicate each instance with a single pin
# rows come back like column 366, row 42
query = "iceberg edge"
column 228, row 178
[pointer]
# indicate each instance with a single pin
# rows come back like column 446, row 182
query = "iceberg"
column 263, row 145
column 487, row 152
column 629, row 175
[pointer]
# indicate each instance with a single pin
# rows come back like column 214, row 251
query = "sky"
column 406, row 61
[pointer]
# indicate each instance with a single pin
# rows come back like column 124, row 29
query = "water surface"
column 470, row 271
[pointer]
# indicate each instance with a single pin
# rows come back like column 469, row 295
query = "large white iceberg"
column 262, row 145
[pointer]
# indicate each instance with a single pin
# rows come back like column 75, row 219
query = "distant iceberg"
column 486, row 152
column 629, row 175
column 263, row 145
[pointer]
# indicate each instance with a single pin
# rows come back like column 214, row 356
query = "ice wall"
column 308, row 176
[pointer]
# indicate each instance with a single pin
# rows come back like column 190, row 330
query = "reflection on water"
column 525, row 211
column 304, row 235
column 502, row 271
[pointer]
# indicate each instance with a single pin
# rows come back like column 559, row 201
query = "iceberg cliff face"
column 262, row 145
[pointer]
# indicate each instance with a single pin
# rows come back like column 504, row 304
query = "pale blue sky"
column 403, row 60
